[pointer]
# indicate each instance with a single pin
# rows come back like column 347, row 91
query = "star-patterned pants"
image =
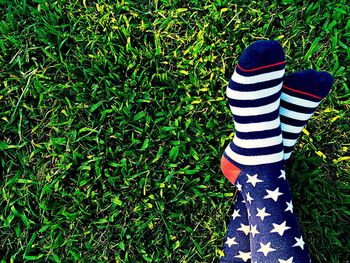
column 237, row 245
column 264, row 211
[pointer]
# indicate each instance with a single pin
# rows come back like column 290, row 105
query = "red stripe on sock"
column 262, row 67
column 303, row 92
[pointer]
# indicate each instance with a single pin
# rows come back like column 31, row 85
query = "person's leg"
column 237, row 245
column 247, row 89
column 255, row 157
column 301, row 94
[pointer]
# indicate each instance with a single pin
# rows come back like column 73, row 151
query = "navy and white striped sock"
column 301, row 94
column 254, row 98
column 255, row 159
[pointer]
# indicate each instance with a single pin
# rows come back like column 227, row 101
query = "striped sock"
column 254, row 97
column 255, row 160
column 301, row 94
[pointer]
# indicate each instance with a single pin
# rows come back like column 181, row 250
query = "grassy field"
column 113, row 120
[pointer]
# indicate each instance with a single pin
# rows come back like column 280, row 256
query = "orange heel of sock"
column 230, row 170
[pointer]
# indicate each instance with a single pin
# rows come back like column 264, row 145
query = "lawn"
column 113, row 119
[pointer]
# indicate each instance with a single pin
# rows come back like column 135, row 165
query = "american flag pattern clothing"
column 275, row 235
column 237, row 245
column 255, row 158
column 266, row 214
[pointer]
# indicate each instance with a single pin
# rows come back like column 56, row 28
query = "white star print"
column 253, row 179
column 244, row 256
column 289, row 207
column 231, row 241
column 253, row 230
column 283, row 175
column 279, row 228
column 235, row 214
column 273, row 194
column 248, row 212
column 239, row 186
column 244, row 228
column 289, row 260
column 249, row 198
column 262, row 213
column 300, row 242
column 265, row 248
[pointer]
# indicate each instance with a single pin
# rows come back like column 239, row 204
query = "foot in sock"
column 301, row 93
column 255, row 157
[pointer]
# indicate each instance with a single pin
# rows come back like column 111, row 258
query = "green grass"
column 113, row 120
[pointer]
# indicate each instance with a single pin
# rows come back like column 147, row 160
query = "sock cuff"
column 255, row 166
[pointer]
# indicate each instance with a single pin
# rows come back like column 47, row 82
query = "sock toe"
column 262, row 53
column 323, row 85
column 312, row 82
